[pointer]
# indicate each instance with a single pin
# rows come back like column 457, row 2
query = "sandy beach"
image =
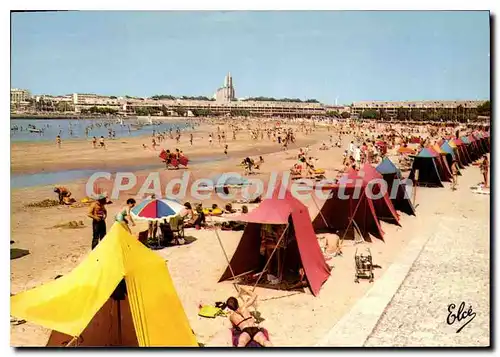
column 293, row 318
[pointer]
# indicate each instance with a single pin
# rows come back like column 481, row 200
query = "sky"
column 326, row 55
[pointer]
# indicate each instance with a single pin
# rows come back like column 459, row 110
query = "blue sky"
column 350, row 55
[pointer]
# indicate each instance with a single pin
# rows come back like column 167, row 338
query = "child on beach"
column 191, row 139
column 123, row 217
column 58, row 141
column 101, row 142
column 225, row 150
column 94, row 142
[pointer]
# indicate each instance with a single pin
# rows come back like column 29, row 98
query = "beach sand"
column 293, row 319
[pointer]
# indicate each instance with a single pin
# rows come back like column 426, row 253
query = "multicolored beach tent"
column 425, row 165
column 83, row 306
column 391, row 173
column 448, row 149
column 443, row 169
column 387, row 167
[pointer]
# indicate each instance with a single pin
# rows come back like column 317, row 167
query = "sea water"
column 65, row 176
column 75, row 128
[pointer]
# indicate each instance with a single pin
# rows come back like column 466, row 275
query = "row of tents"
column 337, row 214
column 122, row 293
column 433, row 162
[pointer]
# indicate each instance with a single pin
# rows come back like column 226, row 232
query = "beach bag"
column 210, row 311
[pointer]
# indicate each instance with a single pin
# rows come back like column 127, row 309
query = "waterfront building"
column 452, row 108
column 19, row 95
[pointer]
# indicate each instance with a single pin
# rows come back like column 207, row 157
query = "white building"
column 19, row 95
column 226, row 93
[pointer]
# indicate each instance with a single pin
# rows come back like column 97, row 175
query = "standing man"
column 98, row 214
column 191, row 139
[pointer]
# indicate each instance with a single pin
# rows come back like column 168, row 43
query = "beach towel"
column 236, row 335
column 210, row 311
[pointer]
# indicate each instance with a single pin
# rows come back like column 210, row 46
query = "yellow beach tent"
column 79, row 308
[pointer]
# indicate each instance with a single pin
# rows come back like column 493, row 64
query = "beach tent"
column 446, row 158
column 449, row 155
column 303, row 249
column 459, row 156
column 384, row 208
column 472, row 147
column 469, row 148
column 346, row 204
column 392, row 175
column 486, row 139
column 120, row 295
column 444, row 170
column 476, row 142
column 461, row 147
column 425, row 164
column 482, row 142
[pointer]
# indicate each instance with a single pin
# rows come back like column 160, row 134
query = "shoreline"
column 199, row 156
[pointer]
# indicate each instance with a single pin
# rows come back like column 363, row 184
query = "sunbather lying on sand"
column 242, row 320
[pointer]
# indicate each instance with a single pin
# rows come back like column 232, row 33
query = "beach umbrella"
column 156, row 209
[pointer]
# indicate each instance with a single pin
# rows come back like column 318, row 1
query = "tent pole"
column 270, row 257
column 350, row 222
column 73, row 341
column 225, row 254
column 320, row 213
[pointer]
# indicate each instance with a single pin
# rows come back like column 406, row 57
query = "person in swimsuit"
column 124, row 216
column 98, row 213
column 243, row 321
column 484, row 167
column 454, row 172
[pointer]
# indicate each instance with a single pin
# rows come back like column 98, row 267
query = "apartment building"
column 19, row 95
column 391, row 107
column 88, row 100
column 254, row 108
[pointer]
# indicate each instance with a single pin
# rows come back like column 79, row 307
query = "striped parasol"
column 156, row 209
